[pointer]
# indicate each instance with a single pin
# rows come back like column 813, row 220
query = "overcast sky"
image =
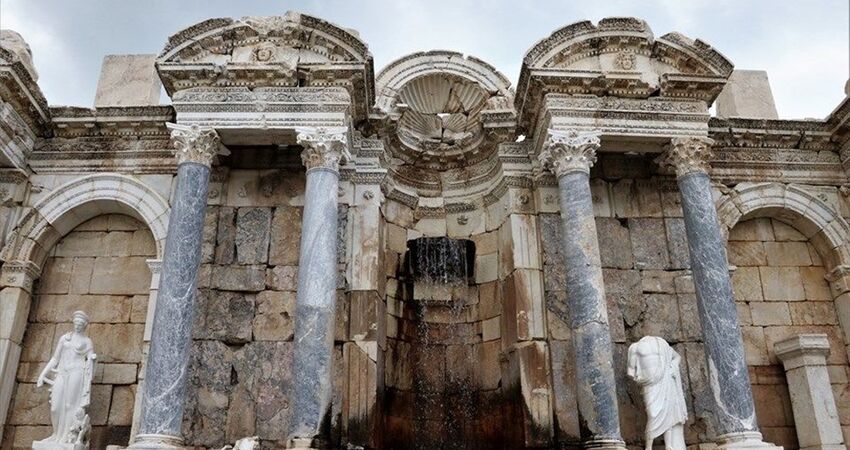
column 802, row 44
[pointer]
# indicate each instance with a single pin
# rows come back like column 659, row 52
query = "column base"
column 744, row 440
column 156, row 442
column 604, row 444
column 306, row 444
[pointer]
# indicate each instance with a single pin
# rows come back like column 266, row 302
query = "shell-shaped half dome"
column 437, row 103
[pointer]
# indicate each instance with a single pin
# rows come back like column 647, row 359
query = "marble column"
column 733, row 409
column 315, row 303
column 171, row 336
column 815, row 414
column 570, row 155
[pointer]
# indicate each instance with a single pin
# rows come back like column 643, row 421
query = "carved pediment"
column 619, row 57
column 292, row 50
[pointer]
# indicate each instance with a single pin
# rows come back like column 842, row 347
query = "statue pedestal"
column 41, row 445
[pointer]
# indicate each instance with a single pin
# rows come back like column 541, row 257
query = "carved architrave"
column 324, row 148
column 20, row 274
column 687, row 155
column 195, row 144
column 565, row 152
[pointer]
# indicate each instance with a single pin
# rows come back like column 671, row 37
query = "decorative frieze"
column 687, row 155
column 324, row 148
column 569, row 151
column 194, row 144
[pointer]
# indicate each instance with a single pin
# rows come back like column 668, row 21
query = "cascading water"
column 442, row 338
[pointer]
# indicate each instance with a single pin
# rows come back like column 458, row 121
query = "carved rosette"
column 687, row 154
column 571, row 151
column 324, row 148
column 194, row 144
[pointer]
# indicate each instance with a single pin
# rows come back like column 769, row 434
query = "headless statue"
column 654, row 365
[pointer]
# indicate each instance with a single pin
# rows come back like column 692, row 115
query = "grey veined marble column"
column 315, row 303
column 171, row 337
column 733, row 410
column 570, row 156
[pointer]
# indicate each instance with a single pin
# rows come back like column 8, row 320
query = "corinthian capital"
column 570, row 151
column 324, row 148
column 687, row 154
column 194, row 144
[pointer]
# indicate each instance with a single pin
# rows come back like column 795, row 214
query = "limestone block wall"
column 99, row 267
column 242, row 350
column 781, row 292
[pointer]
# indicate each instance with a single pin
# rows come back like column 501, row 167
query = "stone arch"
column 77, row 201
column 813, row 217
column 795, row 206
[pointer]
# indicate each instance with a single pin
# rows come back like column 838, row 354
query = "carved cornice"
column 194, row 144
column 18, row 88
column 687, row 155
column 565, row 152
column 324, row 148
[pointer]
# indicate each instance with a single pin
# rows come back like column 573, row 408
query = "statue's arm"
column 54, row 360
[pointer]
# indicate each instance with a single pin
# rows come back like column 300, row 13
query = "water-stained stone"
column 615, row 251
column 225, row 316
column 285, row 236
column 252, row 235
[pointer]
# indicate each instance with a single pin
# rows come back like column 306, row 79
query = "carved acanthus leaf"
column 570, row 151
column 687, row 154
column 195, row 144
column 324, row 147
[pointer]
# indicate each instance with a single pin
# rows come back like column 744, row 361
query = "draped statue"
column 654, row 365
column 72, row 365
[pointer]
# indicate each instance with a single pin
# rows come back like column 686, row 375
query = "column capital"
column 569, row 151
column 20, row 274
column 687, row 154
column 803, row 350
column 194, row 144
column 324, row 148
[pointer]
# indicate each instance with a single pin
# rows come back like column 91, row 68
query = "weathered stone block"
column 770, row 313
column 677, row 243
column 273, row 321
column 747, row 94
column 787, row 254
column 121, row 408
column 285, row 236
column 31, row 406
column 225, row 250
column 208, row 236
column 239, row 278
column 119, row 373
column 815, row 284
column 128, row 80
column 784, row 232
column 133, row 272
column 117, row 342
column 282, row 278
column 648, row 243
column 224, row 316
column 746, row 253
column 782, row 283
column 38, row 342
column 612, row 234
column 252, row 235
column 746, row 284
column 752, row 230
column 813, row 313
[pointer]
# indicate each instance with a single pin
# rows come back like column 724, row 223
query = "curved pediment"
column 270, row 40
column 625, row 44
column 292, row 50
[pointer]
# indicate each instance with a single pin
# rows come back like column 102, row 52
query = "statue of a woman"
column 654, row 365
column 70, row 392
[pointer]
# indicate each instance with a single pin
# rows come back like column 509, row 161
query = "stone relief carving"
column 195, row 144
column 324, row 147
column 70, row 390
column 687, row 154
column 569, row 151
column 654, row 366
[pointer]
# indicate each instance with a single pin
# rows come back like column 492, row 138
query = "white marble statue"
column 654, row 365
column 248, row 443
column 70, row 389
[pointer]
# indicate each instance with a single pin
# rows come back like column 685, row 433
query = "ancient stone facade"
column 301, row 249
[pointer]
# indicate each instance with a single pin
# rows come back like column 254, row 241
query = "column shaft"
column 315, row 306
column 171, row 336
column 595, row 383
column 724, row 347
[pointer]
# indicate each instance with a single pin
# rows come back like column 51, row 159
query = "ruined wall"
column 781, row 292
column 650, row 292
column 242, row 349
column 99, row 267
